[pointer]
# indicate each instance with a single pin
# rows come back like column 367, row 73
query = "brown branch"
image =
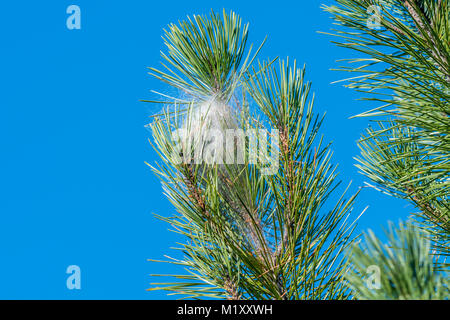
column 289, row 164
column 411, row 5
column 250, row 219
column 194, row 192
column 253, row 224
column 427, row 209
column 231, row 289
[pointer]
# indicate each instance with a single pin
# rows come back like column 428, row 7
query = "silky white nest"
column 204, row 131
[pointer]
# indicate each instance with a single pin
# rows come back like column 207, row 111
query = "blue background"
column 74, row 188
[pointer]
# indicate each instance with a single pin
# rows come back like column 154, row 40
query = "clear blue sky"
column 74, row 189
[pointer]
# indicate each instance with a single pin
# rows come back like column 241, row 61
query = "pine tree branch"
column 194, row 191
column 253, row 223
column 232, row 290
column 417, row 15
column 433, row 214
column 265, row 236
column 289, row 169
